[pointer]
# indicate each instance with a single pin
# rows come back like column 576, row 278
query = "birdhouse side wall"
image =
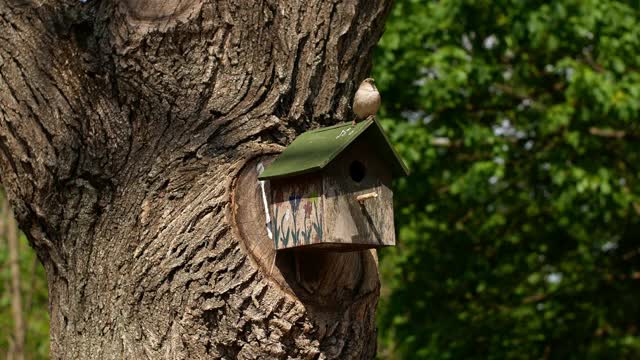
column 347, row 221
column 296, row 211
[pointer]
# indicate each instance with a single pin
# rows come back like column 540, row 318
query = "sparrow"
column 367, row 100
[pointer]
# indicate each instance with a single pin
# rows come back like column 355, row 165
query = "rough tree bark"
column 123, row 127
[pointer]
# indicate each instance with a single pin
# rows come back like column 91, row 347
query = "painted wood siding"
column 297, row 211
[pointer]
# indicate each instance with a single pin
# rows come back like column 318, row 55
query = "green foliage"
column 519, row 228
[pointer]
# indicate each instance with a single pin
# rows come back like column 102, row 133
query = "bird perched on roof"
column 367, row 100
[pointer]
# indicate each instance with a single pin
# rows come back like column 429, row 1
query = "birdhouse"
column 331, row 189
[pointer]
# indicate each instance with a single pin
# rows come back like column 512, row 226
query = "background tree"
column 16, row 346
column 33, row 293
column 123, row 128
column 520, row 226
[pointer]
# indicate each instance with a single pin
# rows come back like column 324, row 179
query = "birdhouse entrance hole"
column 357, row 171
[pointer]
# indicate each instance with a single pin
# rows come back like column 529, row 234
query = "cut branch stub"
column 324, row 279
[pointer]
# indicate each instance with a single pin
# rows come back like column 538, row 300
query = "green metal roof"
column 315, row 149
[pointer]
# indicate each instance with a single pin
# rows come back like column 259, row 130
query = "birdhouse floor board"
column 338, row 247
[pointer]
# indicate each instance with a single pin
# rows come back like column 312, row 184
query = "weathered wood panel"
column 348, row 221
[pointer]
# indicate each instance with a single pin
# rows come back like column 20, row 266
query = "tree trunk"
column 124, row 126
column 16, row 350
